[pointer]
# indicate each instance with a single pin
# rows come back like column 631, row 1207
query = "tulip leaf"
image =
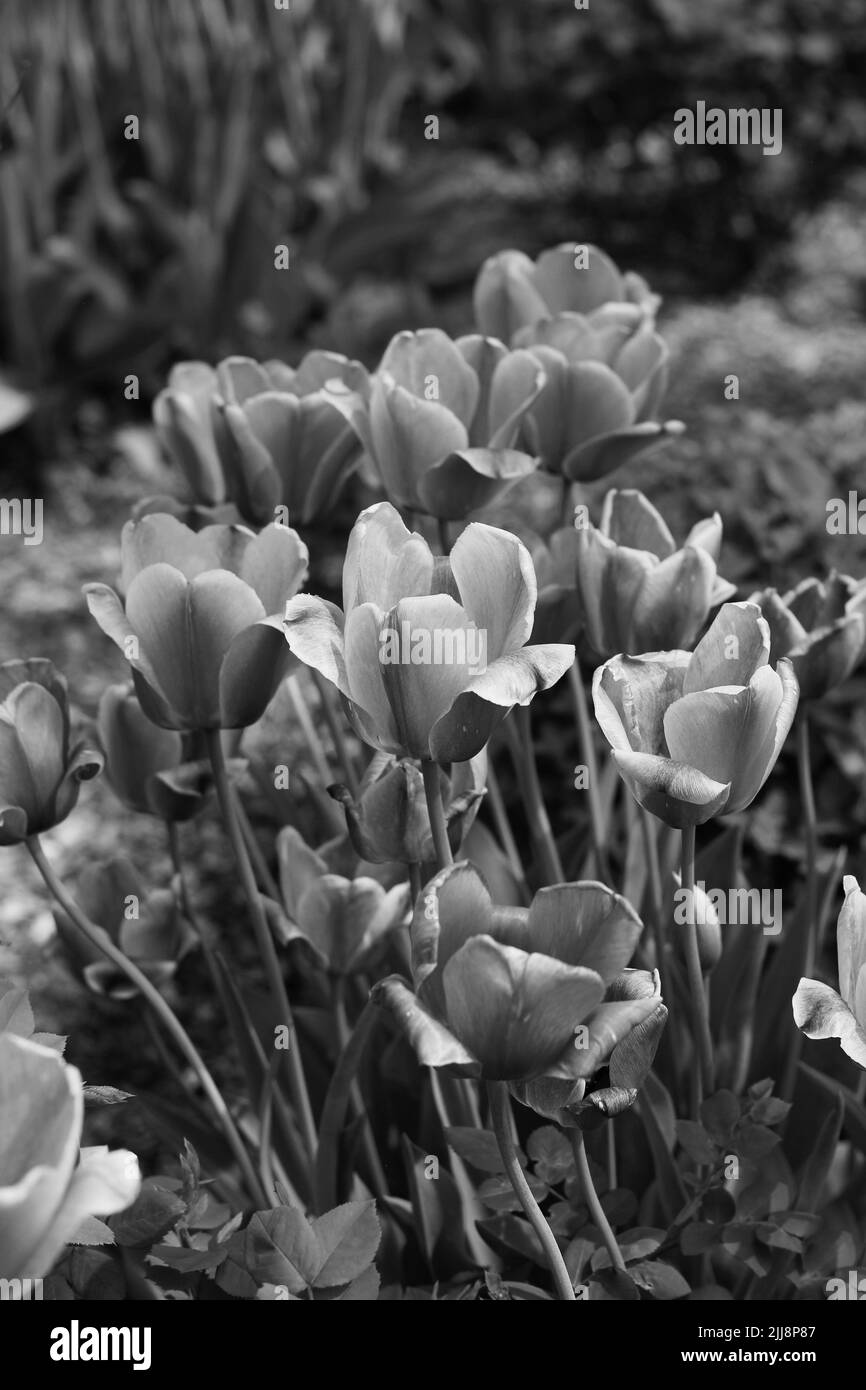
column 98, row 1096
column 438, row 1212
column 477, row 1147
column 551, row 1154
column 696, row 1142
column 510, row 1235
column 659, row 1280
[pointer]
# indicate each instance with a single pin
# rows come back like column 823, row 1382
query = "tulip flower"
column 144, row 763
column 428, row 653
column 41, row 765
column 389, row 821
column 511, row 994
column 513, row 292
column 47, row 1188
column 440, row 418
column 342, row 920
column 558, row 611
column 619, row 1073
column 695, row 734
column 147, row 926
column 820, row 628
column 821, row 1012
column 260, row 435
column 638, row 592
column 604, row 385
column 201, row 626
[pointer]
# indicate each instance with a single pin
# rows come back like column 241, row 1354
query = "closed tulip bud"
column 201, row 626
column 428, row 653
column 513, row 292
column 439, row 420
column 820, row 628
column 147, row 927
column 48, row 1187
column 821, row 1012
column 41, row 765
column 695, row 906
column 696, row 734
column 515, row 993
column 389, row 821
column 342, row 921
column 637, row 591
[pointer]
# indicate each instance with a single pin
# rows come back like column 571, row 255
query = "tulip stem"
column 810, row 927
column 590, row 1196
column 442, row 532
column 703, row 1036
column 336, row 1104
column 264, row 940
column 103, row 943
column 539, row 822
column 264, row 877
column 503, row 829
column 378, row 1181
column 586, row 747
column 436, row 812
column 500, row 1116
column 335, row 728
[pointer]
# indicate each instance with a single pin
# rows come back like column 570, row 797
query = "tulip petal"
column 728, row 733
column 431, row 651
column 13, row 825
column 505, row 298
column 433, row 1043
column 240, row 378
column 630, row 519
column 515, row 1012
column 676, row 793
column 517, row 382
column 253, row 481
column 299, row 866
column 608, row 579
column 497, row 584
column 409, row 436
column 672, row 605
column 160, row 538
column 469, row 479
column 596, row 458
column 275, row 566
column 257, row 660
column 183, row 416
column 415, row 361
column 640, row 356
column 365, row 679
column 454, row 906
column 103, row 1184
column 851, row 947
column 512, row 680
column 598, row 402
column 82, row 764
column 607, row 1027
column 314, row 632
column 384, row 560
column 583, row 924
column 565, row 284
column 631, row 695
column 736, row 645
column 819, row 1012
column 105, row 606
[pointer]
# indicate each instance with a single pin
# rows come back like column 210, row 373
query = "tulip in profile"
column 260, row 435
column 820, row 627
column 202, row 622
column 637, row 591
column 439, row 420
column 389, row 821
column 47, row 1187
column 696, row 734
column 480, row 599
column 820, row 1011
column 41, row 765
column 511, row 994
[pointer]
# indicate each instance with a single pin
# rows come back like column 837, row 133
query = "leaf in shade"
column 438, row 1212
column 551, row 1154
column 661, row 1281
column 815, row 1170
column 657, row 1116
column 477, row 1147
column 611, row 1285
column 498, row 1194
column 348, row 1239
column 95, row 1276
column 696, row 1141
column 105, row 1095
column 189, row 1261
column 754, row 1141
column 434, row 1045
column 152, row 1214
column 510, row 1235
column 92, row 1231
column 719, row 1114
column 364, row 1289
column 16, row 1015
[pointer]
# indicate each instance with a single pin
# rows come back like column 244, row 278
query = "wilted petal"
column 820, row 1013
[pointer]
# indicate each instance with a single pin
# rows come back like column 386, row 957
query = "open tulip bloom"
column 637, row 591
column 260, row 435
column 820, row 627
column 439, row 420
column 41, row 766
column 696, row 734
column 513, row 292
column 429, row 652
column 202, row 623
column 47, row 1187
column 820, row 1011
column 512, row 994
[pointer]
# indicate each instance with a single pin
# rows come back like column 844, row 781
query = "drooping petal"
column 434, row 1044
column 820, row 1013
column 314, row 632
column 678, row 794
column 512, row 680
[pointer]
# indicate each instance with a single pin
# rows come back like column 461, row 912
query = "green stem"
column 500, row 1115
column 590, row 1196
column 336, row 1104
column 503, row 828
column 586, row 746
column 442, row 533
column 809, row 932
column 338, row 737
column 539, row 822
column 378, row 1181
column 436, row 812
column 264, row 940
column 103, row 943
column 703, row 1036
column 264, row 877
